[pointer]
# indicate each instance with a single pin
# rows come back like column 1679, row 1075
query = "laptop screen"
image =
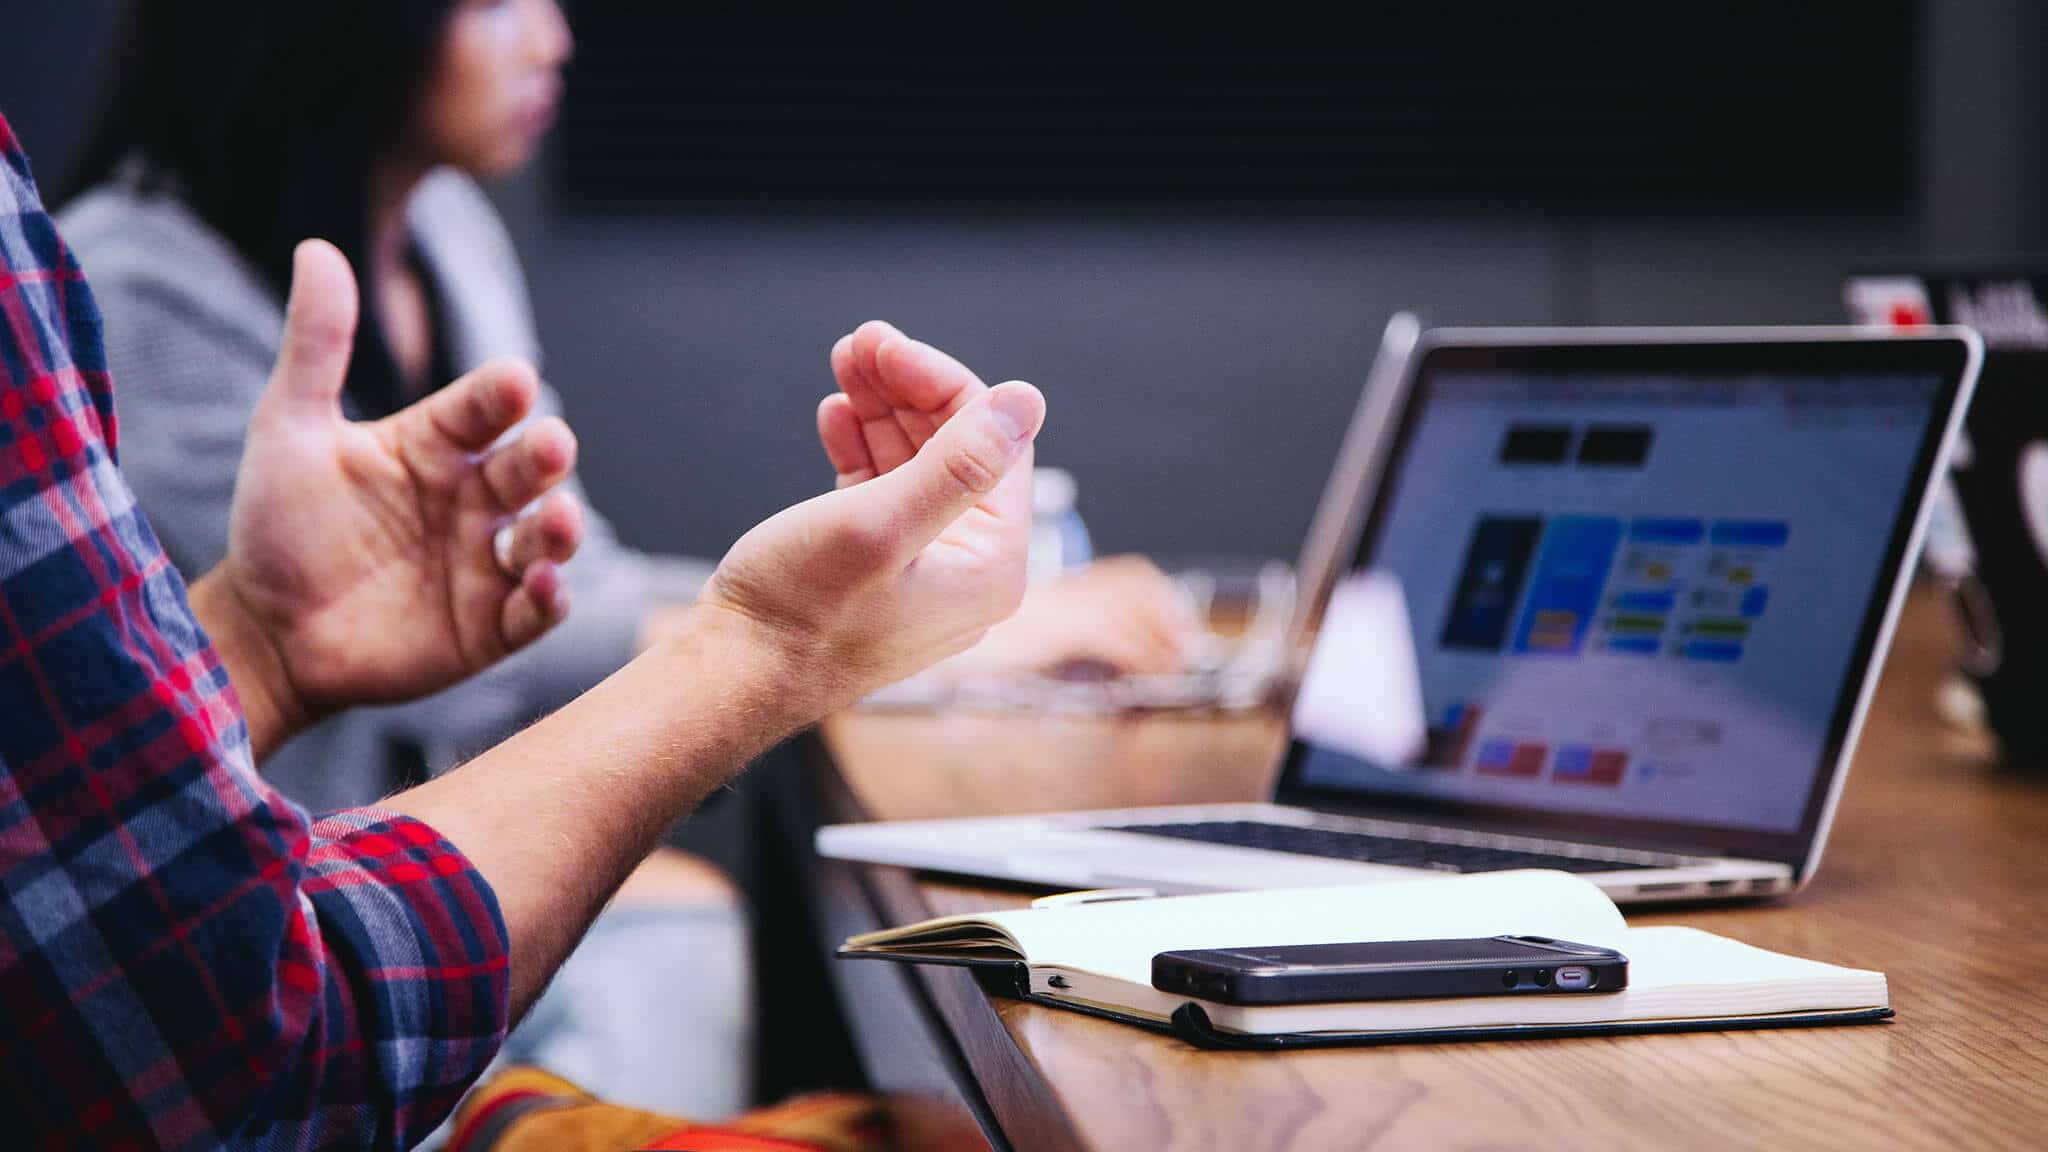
column 1637, row 595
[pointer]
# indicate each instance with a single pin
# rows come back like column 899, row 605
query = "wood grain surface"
column 1937, row 874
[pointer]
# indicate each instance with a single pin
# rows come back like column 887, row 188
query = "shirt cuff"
column 427, row 955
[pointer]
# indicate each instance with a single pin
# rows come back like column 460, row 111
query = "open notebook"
column 1098, row 958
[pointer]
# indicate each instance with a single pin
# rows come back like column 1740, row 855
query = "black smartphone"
column 1391, row 970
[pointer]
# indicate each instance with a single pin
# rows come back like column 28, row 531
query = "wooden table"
column 1937, row 874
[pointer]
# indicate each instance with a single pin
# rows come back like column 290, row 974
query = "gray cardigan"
column 191, row 331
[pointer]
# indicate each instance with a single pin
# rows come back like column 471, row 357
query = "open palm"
column 364, row 552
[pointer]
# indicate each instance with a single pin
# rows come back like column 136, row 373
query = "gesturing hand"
column 919, row 551
column 360, row 564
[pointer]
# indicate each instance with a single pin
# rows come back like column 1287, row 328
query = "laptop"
column 1617, row 605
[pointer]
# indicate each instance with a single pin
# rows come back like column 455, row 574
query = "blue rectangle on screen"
column 1653, row 602
column 1571, row 760
column 1754, row 600
column 1713, row 651
column 1633, row 645
column 1665, row 530
column 1751, row 533
column 1495, row 754
column 1571, row 573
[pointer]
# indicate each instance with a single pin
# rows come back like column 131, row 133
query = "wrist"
column 271, row 703
column 783, row 685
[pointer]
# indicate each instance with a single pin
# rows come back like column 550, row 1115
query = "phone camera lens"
column 1510, row 978
column 1543, row 977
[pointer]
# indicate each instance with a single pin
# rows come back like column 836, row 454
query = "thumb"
column 319, row 326
column 962, row 465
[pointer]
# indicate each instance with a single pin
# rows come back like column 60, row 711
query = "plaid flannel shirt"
column 185, row 960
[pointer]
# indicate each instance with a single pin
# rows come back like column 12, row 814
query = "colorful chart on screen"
column 1631, row 597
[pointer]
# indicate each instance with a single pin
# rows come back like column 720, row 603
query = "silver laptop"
column 1341, row 511
column 1616, row 605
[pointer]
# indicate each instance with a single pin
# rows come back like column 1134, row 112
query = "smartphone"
column 1391, row 970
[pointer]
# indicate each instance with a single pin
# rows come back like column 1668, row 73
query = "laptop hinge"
column 1521, row 831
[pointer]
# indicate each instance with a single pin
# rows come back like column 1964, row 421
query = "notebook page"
column 1119, row 939
column 1674, row 974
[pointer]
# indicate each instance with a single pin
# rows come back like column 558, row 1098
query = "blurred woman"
column 235, row 129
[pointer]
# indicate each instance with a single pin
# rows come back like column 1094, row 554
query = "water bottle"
column 1059, row 538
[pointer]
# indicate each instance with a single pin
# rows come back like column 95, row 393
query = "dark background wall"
column 1201, row 365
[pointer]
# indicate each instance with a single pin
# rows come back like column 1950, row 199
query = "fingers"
column 923, row 385
column 887, row 445
column 1149, row 599
column 1132, row 651
column 1164, row 636
column 1134, row 645
column 845, row 446
column 540, row 543
column 971, row 460
column 529, row 467
column 853, row 365
column 540, row 602
column 549, row 534
column 474, row 411
column 901, row 390
column 319, row 327
column 917, row 378
column 1121, row 613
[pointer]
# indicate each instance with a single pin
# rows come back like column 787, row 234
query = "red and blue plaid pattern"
column 185, row 961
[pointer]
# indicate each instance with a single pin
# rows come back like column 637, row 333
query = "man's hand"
column 919, row 551
column 361, row 564
column 1120, row 616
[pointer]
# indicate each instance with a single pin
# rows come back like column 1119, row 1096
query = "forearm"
column 556, row 817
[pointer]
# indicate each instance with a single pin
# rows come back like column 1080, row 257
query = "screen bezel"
column 1730, row 352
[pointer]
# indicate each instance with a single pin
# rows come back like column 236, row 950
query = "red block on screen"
column 1608, row 766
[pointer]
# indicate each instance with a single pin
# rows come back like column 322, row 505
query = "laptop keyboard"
column 1403, row 851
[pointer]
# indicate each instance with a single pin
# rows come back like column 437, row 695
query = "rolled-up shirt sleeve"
column 186, row 960
column 416, row 970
